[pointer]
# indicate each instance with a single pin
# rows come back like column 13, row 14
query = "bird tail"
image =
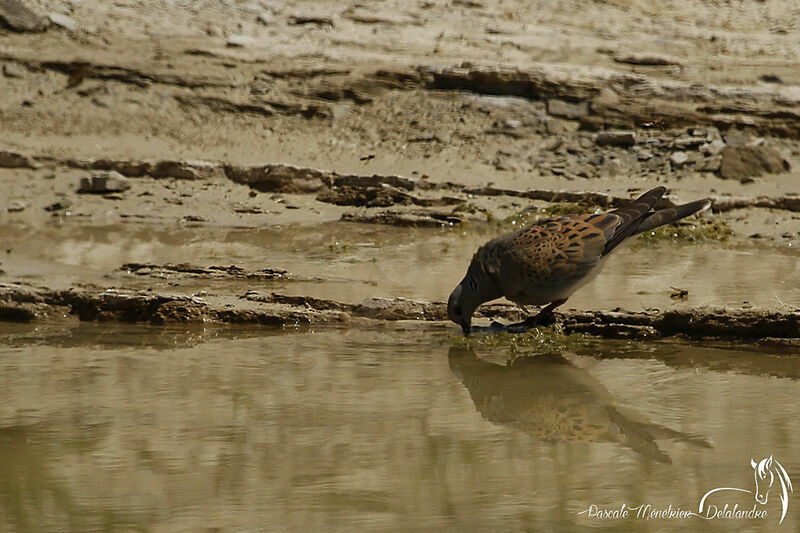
column 671, row 214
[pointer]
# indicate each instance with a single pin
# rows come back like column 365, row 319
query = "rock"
column 741, row 162
column 13, row 70
column 275, row 6
column 298, row 19
column 376, row 180
column 678, row 159
column 102, row 101
column 583, row 171
column 9, row 159
column 177, row 270
column 340, row 110
column 365, row 16
column 381, row 197
column 560, row 108
column 709, row 164
column 392, row 309
column 280, row 178
column 239, row 41
column 646, row 59
column 127, row 168
column 605, row 99
column 426, row 219
column 612, row 166
column 652, row 142
column 17, row 312
column 60, row 205
column 557, row 126
column 443, row 135
column 252, row 7
column 512, row 124
column 63, row 21
column 265, row 18
column 365, row 196
column 425, row 136
column 91, row 89
column 616, row 138
column 770, row 78
column 736, row 137
column 191, row 169
column 712, row 134
column 16, row 206
column 688, row 143
column 552, row 144
column 713, row 148
column 15, row 16
column 104, row 182
column 642, row 154
column 504, row 162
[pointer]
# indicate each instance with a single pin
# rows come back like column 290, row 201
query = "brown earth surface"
column 199, row 152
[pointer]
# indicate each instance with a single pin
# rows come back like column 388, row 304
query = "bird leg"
column 525, row 309
column 543, row 318
column 552, row 305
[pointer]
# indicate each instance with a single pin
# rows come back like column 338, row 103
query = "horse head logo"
column 762, row 470
column 765, row 472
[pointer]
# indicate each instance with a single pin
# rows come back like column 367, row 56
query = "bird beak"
column 465, row 327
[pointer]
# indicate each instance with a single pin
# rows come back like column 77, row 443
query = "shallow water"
column 360, row 261
column 134, row 428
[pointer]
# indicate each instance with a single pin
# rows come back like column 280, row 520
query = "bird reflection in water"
column 551, row 399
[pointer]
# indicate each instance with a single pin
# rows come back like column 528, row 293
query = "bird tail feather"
column 671, row 214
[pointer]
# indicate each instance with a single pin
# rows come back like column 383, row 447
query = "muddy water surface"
column 351, row 262
column 133, row 428
column 109, row 427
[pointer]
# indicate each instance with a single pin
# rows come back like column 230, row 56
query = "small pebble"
column 16, row 206
column 13, row 70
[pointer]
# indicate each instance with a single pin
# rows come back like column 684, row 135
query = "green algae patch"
column 541, row 339
column 532, row 215
column 567, row 208
column 713, row 228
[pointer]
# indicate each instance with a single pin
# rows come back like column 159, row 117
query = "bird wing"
column 632, row 215
column 558, row 250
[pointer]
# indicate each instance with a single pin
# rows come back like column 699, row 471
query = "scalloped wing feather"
column 542, row 261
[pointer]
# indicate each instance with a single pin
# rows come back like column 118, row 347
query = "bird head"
column 464, row 299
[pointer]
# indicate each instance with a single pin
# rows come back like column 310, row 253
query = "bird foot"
column 541, row 319
column 494, row 327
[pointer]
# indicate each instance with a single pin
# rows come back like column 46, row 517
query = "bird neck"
column 487, row 288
